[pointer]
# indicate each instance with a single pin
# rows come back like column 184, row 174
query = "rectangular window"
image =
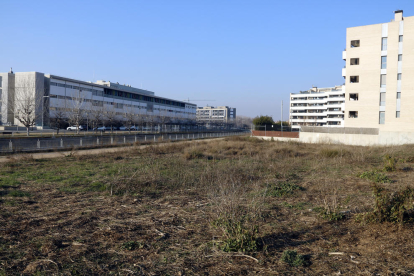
column 353, row 97
column 354, row 43
column 383, row 80
column 354, row 61
column 382, row 99
column 399, row 57
column 354, row 79
column 397, row 114
column 1, row 82
column 384, row 62
column 399, row 76
column 382, row 117
column 353, row 114
column 384, row 44
column 400, row 38
column 398, row 95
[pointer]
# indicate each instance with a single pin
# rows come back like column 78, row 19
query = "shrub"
column 331, row 215
column 330, row 153
column 238, row 236
column 292, row 258
column 391, row 207
column 193, row 154
column 283, row 189
column 390, row 163
column 375, row 176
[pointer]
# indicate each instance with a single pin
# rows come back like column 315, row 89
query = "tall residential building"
column 318, row 107
column 219, row 114
column 53, row 96
column 379, row 66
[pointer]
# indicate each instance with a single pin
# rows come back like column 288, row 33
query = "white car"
column 74, row 128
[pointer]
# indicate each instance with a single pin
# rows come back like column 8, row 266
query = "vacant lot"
column 238, row 206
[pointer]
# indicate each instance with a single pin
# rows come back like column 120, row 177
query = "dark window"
column 354, row 43
column 354, row 79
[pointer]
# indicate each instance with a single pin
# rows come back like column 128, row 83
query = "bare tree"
column 26, row 105
column 140, row 118
column 110, row 116
column 164, row 118
column 96, row 114
column 149, row 119
column 129, row 117
column 76, row 109
column 58, row 119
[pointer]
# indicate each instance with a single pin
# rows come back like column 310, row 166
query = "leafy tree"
column 285, row 123
column 263, row 120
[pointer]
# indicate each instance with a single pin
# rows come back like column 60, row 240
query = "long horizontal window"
column 121, row 94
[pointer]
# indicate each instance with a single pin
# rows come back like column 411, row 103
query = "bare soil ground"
column 227, row 207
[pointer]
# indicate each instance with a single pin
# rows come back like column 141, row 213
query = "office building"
column 219, row 114
column 53, row 96
column 318, row 107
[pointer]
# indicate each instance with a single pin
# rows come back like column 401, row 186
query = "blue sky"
column 245, row 54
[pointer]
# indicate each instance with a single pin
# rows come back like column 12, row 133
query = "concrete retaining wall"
column 384, row 138
column 287, row 134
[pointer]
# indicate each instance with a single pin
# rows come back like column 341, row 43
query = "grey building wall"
column 30, row 85
column 7, row 96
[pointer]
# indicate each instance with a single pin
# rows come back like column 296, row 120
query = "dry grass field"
column 238, row 206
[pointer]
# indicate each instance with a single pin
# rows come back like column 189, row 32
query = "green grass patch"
column 9, row 181
column 375, row 176
column 292, row 258
column 283, row 189
column 18, row 193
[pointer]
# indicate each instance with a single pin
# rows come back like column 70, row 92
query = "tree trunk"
column 27, row 131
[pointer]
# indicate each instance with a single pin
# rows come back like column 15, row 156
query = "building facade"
column 379, row 65
column 55, row 96
column 318, row 107
column 219, row 114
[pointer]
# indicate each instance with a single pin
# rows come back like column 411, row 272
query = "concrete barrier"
column 383, row 138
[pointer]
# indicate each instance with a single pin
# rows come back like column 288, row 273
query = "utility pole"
column 281, row 120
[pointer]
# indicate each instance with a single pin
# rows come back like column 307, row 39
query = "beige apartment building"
column 378, row 75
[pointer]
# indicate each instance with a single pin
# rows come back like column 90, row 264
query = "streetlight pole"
column 43, row 112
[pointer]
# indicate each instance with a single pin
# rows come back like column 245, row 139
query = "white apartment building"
column 219, row 114
column 56, row 95
column 318, row 107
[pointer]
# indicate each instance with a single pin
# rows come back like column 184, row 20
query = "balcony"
column 343, row 72
column 344, row 55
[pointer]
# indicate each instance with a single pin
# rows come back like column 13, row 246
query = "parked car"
column 133, row 128
column 70, row 128
column 123, row 128
column 102, row 128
